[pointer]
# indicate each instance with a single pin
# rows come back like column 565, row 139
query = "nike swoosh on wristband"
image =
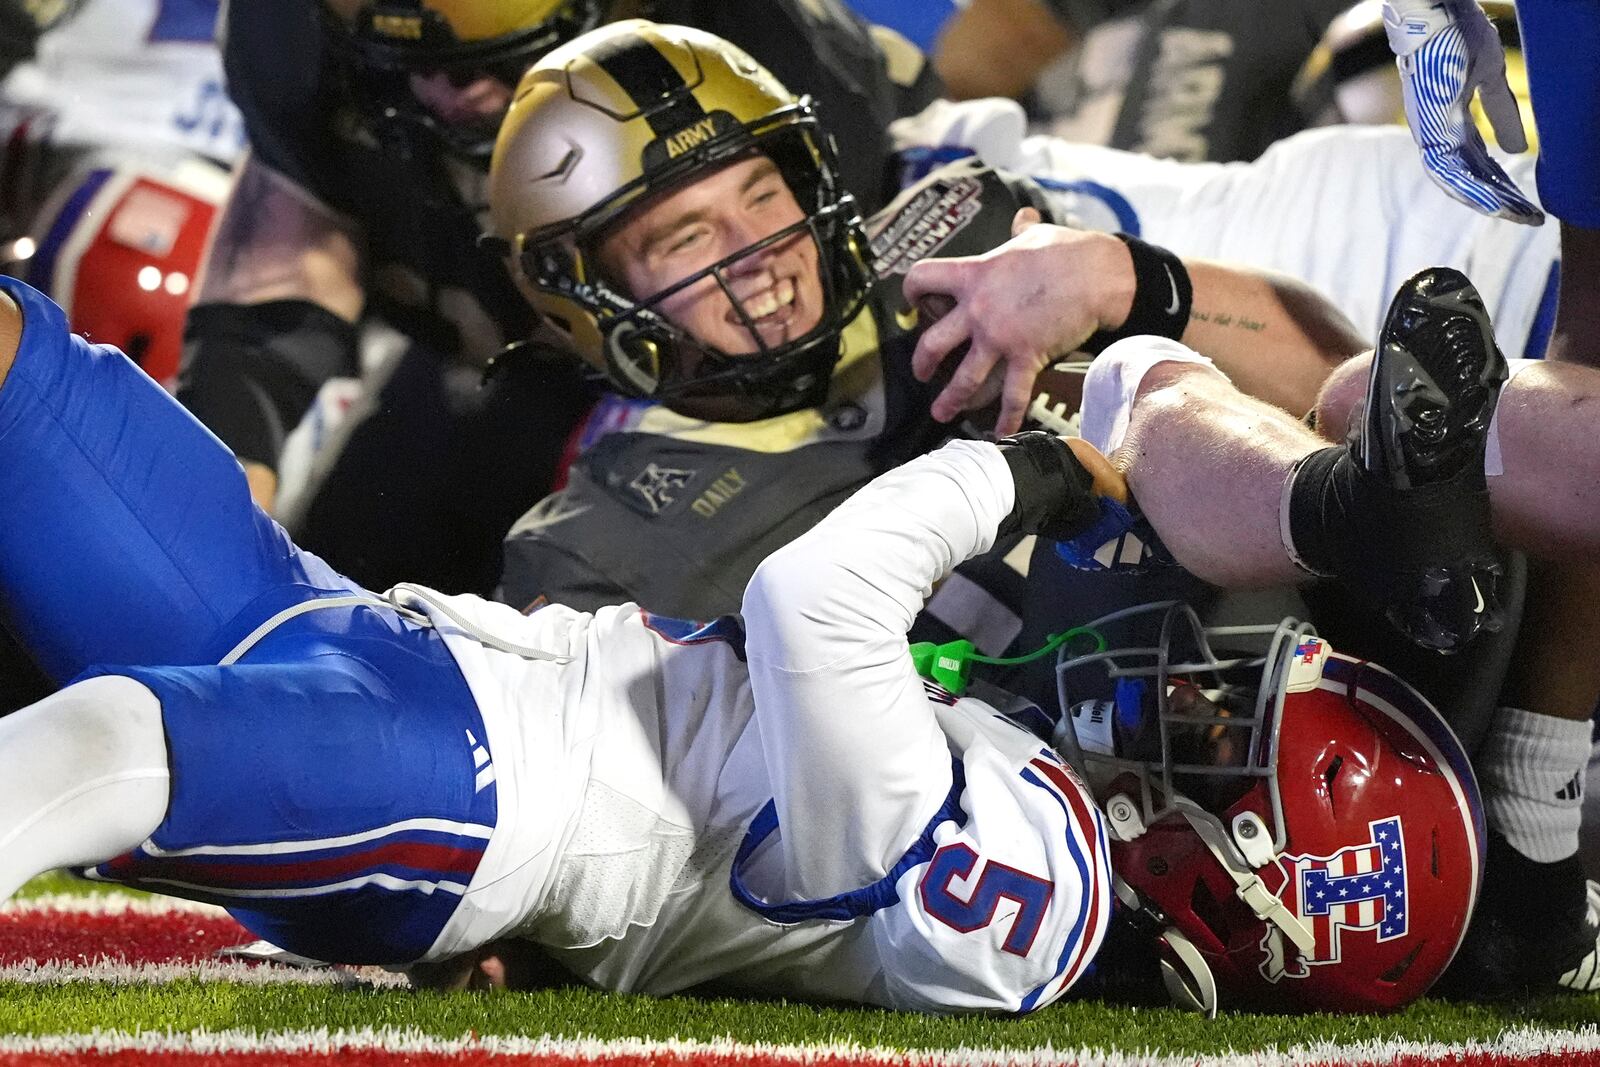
column 1172, row 308
column 1479, row 594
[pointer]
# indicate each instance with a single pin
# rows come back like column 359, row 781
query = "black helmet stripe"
column 649, row 79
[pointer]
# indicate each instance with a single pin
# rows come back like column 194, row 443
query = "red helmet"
column 118, row 246
column 1301, row 829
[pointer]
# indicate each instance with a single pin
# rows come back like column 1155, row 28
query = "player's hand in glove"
column 1446, row 51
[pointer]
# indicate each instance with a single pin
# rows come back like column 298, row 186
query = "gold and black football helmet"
column 384, row 42
column 634, row 109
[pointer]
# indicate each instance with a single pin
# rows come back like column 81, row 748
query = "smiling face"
column 689, row 228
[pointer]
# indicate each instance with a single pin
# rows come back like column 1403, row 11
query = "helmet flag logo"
column 1362, row 887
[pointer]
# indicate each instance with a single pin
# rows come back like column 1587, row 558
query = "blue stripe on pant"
column 325, row 790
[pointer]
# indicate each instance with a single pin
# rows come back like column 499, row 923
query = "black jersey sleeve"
column 274, row 58
column 862, row 80
column 250, row 372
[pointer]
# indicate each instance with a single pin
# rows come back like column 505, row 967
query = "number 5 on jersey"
column 955, row 862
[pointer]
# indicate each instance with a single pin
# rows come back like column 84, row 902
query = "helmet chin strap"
column 1186, row 974
column 1249, row 886
column 1122, row 816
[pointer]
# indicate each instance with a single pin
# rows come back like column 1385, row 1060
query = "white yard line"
column 110, row 972
column 108, row 904
column 1510, row 1046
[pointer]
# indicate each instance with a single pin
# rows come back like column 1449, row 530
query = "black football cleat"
column 1435, row 379
column 1584, row 977
column 1536, row 929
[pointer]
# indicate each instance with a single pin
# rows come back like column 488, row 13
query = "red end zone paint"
column 356, row 1056
column 371, row 1057
column 84, row 937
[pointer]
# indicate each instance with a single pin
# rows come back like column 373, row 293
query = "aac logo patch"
column 656, row 485
column 1359, row 888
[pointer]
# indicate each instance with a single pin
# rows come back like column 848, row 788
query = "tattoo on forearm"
column 1228, row 318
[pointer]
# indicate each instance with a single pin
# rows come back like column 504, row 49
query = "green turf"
column 62, row 882
column 33, row 1009
column 186, row 1005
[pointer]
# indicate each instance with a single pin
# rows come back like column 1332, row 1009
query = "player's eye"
column 765, row 193
column 683, row 240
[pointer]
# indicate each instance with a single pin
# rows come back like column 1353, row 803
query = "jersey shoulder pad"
column 962, row 209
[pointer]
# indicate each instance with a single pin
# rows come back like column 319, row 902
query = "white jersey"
column 1349, row 209
column 786, row 810
column 140, row 75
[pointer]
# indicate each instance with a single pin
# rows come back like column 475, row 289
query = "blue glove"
column 1446, row 51
column 1121, row 539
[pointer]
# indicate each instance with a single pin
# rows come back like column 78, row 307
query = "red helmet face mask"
column 1301, row 829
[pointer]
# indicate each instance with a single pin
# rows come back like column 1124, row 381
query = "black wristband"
column 1162, row 297
column 1054, row 492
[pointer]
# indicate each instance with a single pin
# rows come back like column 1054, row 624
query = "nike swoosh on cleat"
column 1172, row 308
column 1479, row 594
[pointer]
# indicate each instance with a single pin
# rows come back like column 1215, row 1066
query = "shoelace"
column 401, row 599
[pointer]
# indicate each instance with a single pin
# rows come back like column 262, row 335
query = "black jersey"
column 676, row 514
column 421, row 268
column 1185, row 79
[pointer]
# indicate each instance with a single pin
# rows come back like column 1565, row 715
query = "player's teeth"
column 770, row 300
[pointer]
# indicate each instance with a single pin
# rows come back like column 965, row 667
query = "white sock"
column 83, row 777
column 1112, row 385
column 1531, row 770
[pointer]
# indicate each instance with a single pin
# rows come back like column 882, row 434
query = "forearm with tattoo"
column 1275, row 336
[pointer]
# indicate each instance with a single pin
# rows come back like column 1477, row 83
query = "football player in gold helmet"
column 370, row 123
column 602, row 134
column 677, row 213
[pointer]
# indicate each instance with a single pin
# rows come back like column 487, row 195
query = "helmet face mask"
column 693, row 376
column 1185, row 722
column 727, row 109
column 1316, row 843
